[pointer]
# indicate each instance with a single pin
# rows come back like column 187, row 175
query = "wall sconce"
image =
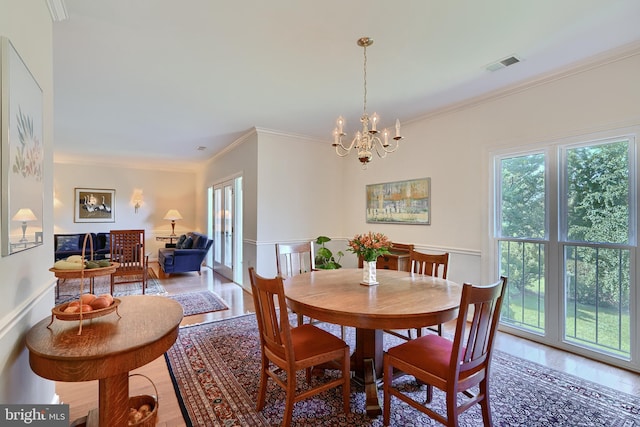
column 173, row 215
column 24, row 215
column 137, row 200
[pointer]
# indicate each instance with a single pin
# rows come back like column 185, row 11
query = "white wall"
column 240, row 159
column 26, row 285
column 299, row 193
column 453, row 149
column 161, row 190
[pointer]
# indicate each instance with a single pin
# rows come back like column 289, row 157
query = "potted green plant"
column 324, row 259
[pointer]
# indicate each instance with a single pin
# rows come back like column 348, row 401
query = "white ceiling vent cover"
column 503, row 63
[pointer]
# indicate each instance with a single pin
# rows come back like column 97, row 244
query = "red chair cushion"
column 309, row 340
column 431, row 353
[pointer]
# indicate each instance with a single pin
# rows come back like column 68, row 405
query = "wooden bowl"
column 58, row 311
column 85, row 272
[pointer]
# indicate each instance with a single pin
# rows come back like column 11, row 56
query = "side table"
column 108, row 348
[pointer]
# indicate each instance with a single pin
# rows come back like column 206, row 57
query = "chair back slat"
column 294, row 258
column 273, row 323
column 127, row 247
column 472, row 350
column 435, row 265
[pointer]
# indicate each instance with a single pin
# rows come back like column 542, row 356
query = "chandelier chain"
column 365, row 80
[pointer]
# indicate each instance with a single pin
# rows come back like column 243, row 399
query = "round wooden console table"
column 107, row 350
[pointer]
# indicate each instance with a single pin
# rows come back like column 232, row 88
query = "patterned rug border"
column 588, row 399
column 199, row 302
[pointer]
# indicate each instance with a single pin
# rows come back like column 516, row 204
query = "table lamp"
column 173, row 215
column 24, row 215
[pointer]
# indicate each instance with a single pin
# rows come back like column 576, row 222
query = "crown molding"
column 608, row 57
column 58, row 10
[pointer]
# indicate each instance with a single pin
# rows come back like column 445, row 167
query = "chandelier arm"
column 393, row 146
column 340, row 147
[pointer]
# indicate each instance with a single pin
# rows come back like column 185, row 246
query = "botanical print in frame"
column 400, row 202
column 94, row 205
column 21, row 128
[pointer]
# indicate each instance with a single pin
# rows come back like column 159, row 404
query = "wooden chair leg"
column 262, row 388
column 386, row 385
column 291, row 394
column 485, row 405
column 346, row 387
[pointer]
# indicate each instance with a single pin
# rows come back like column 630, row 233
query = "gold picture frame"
column 399, row 202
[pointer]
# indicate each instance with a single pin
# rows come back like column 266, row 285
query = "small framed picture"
column 94, row 205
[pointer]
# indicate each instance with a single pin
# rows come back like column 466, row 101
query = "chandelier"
column 369, row 139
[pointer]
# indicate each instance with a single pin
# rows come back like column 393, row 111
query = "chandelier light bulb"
column 340, row 123
column 374, row 122
column 367, row 140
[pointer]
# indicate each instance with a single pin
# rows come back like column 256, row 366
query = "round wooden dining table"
column 107, row 348
column 401, row 300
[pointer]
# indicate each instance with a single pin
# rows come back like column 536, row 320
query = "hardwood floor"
column 82, row 397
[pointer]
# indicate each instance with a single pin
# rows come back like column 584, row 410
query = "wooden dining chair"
column 452, row 366
column 291, row 350
column 297, row 258
column 293, row 259
column 128, row 249
column 436, row 265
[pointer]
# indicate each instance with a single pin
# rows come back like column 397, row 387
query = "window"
column 564, row 226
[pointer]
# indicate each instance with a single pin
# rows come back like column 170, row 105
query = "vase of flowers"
column 369, row 246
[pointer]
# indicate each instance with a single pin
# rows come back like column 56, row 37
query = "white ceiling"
column 155, row 79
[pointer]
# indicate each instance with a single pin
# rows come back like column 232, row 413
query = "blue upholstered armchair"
column 188, row 254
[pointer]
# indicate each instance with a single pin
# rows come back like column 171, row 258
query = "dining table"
column 400, row 300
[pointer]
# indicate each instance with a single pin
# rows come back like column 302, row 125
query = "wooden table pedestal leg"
column 371, row 389
column 114, row 400
column 367, row 364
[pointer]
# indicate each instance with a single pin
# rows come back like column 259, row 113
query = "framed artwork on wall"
column 400, row 202
column 21, row 130
column 94, row 205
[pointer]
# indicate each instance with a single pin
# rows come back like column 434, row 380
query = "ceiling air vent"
column 503, row 63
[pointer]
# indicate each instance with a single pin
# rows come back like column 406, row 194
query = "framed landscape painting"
column 21, row 130
column 400, row 202
column 94, row 205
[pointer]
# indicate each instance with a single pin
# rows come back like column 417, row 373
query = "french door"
column 226, row 221
column 566, row 237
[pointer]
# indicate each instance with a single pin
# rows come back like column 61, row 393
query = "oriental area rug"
column 199, row 302
column 215, row 371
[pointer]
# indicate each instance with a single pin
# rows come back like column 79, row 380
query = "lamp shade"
column 172, row 215
column 24, row 215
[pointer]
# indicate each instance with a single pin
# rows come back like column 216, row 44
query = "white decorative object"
column 369, row 273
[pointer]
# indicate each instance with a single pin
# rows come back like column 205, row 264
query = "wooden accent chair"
column 436, row 265
column 127, row 248
column 292, row 349
column 452, row 366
